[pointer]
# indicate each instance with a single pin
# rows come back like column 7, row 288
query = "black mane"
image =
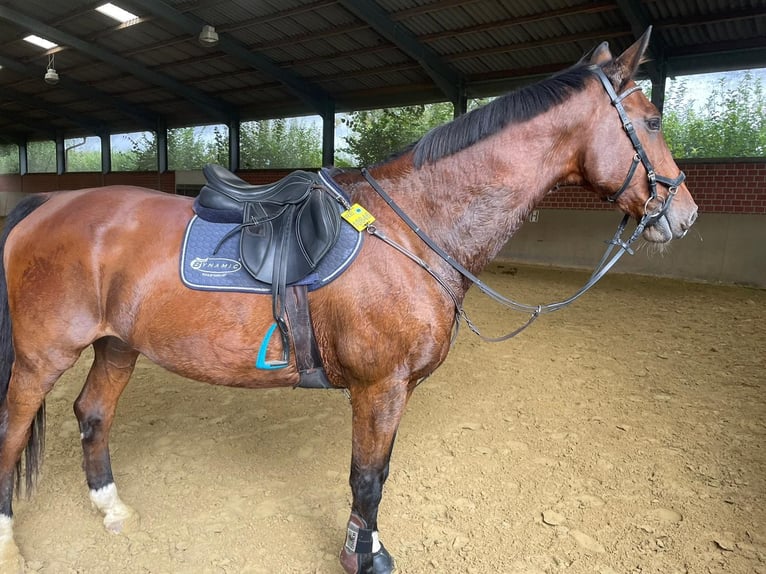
column 517, row 106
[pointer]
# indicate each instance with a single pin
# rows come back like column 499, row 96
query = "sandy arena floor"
column 625, row 434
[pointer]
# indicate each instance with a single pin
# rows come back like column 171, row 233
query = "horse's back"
column 101, row 207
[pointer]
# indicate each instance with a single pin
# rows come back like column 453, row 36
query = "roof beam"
column 10, row 139
column 315, row 97
column 215, row 107
column 38, row 127
column 32, row 102
column 710, row 18
column 444, row 76
column 144, row 116
column 719, row 57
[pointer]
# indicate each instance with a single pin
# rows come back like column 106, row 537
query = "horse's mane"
column 517, row 106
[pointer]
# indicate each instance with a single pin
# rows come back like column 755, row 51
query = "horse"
column 99, row 267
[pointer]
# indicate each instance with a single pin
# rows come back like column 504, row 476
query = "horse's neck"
column 472, row 202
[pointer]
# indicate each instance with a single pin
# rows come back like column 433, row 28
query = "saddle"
column 287, row 227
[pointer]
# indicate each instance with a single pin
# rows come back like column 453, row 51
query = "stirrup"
column 262, row 363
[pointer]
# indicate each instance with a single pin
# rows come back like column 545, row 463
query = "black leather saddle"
column 287, row 227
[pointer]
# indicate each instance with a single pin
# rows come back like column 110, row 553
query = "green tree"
column 128, row 161
column 376, row 134
column 188, row 149
column 41, row 156
column 79, row 157
column 731, row 123
column 280, row 143
column 9, row 158
column 141, row 157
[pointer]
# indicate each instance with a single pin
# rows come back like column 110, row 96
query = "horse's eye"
column 654, row 124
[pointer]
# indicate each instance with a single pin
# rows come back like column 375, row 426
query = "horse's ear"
column 627, row 63
column 601, row 54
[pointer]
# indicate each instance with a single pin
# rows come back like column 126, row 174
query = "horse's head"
column 627, row 160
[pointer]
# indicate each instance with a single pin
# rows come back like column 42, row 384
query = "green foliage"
column 142, row 155
column 187, row 149
column 376, row 134
column 9, row 158
column 79, row 157
column 41, row 157
column 266, row 144
column 730, row 124
column 129, row 161
column 280, row 143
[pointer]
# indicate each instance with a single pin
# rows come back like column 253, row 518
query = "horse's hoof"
column 379, row 562
column 124, row 522
column 11, row 561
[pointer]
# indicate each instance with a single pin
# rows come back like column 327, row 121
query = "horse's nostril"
column 692, row 218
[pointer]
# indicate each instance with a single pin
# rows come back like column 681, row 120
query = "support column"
column 60, row 154
column 658, row 85
column 234, row 131
column 328, row 135
column 162, row 147
column 460, row 106
column 23, row 157
column 106, row 152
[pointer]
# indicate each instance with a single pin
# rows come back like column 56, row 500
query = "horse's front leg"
column 377, row 410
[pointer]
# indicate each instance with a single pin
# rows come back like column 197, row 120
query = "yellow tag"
column 358, row 216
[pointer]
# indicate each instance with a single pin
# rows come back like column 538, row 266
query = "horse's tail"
column 34, row 448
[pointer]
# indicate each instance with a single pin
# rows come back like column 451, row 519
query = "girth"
column 286, row 227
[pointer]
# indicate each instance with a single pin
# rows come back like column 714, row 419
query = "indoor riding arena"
column 622, row 434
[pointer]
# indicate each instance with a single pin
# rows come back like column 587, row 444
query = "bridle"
column 650, row 215
column 655, row 207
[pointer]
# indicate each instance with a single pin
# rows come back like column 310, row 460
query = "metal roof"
column 279, row 58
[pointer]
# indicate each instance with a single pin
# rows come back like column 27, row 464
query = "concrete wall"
column 721, row 247
column 727, row 244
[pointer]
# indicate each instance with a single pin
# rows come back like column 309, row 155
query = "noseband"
column 650, row 215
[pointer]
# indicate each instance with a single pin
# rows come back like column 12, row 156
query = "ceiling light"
column 51, row 76
column 42, row 42
column 116, row 13
column 208, row 37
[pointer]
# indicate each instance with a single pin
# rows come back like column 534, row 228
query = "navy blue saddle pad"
column 223, row 271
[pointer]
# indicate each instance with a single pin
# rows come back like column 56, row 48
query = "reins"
column 604, row 264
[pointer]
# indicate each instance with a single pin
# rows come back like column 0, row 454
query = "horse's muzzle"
column 670, row 226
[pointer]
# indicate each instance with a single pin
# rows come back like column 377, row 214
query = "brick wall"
column 717, row 187
column 258, row 177
column 36, row 182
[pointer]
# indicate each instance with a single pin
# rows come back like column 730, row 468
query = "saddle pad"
column 202, row 270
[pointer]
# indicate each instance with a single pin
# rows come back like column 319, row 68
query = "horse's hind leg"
column 22, row 425
column 113, row 364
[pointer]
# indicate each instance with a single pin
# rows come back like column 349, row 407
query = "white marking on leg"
column 114, row 510
column 6, row 530
column 10, row 557
column 375, row 542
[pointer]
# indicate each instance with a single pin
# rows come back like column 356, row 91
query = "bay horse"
column 100, row 267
